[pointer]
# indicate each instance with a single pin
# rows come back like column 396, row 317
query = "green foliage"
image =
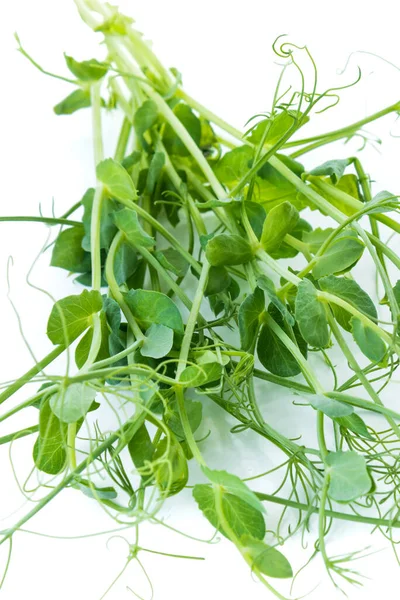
column 341, row 254
column 349, row 477
column 275, row 356
column 158, row 341
column 87, row 70
column 250, row 311
column 149, row 307
column 368, row 340
column 68, row 252
column 232, row 484
column 72, row 404
column 117, row 182
column 280, row 220
column 127, row 221
column 70, row 316
column 331, row 408
column 194, row 411
column 49, row 452
column 172, row 142
column 228, row 250
column 73, row 102
column 266, row 559
column 171, row 473
column 348, row 290
column 332, row 168
column 141, row 448
column 311, row 316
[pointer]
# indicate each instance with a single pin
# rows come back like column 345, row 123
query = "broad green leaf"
column 107, row 225
column 267, row 285
column 141, row 448
column 278, row 126
column 156, row 166
column 234, row 165
column 125, row 263
column 173, row 261
column 93, row 491
column 332, row 168
column 68, row 252
column 243, row 519
column 330, row 407
column 228, row 250
column 74, row 403
column 274, row 355
column 256, row 214
column 280, row 220
column 316, row 238
column 287, row 251
column 127, row 221
column 173, row 144
column 149, row 307
column 145, row 117
column 311, row 316
column 218, row 280
column 73, row 102
column 348, row 290
column 194, row 411
column 355, row 423
column 172, row 474
column 197, row 375
column 266, row 559
column 368, row 340
column 49, row 452
column 87, row 70
column 117, row 181
column 77, row 313
column 345, row 250
column 158, row 341
column 249, row 317
column 113, row 313
column 232, row 484
column 349, row 477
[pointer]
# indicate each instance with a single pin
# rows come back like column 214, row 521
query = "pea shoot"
column 159, row 322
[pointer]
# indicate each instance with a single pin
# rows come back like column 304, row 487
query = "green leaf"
column 49, row 452
column 287, row 251
column 127, row 221
column 125, row 263
column 156, row 166
column 74, row 403
column 332, row 168
column 280, row 220
column 345, row 250
column 173, row 261
column 173, row 144
column 232, row 484
column 267, row 285
column 132, row 159
column 355, row 423
column 256, row 214
column 311, row 316
column 243, row 519
column 107, row 225
column 316, row 238
column 73, row 102
column 117, row 181
column 249, row 318
column 77, row 312
column 172, row 474
column 218, row 280
column 83, row 348
column 197, row 375
column 368, row 340
column 266, row 559
column 278, row 125
column 228, row 250
column 93, row 491
column 274, row 355
column 141, row 448
column 349, row 477
column 145, row 117
column 149, row 307
column 113, row 313
column 68, row 252
column 330, row 407
column 87, row 70
column 234, row 165
column 194, row 411
column 348, row 290
column 158, row 341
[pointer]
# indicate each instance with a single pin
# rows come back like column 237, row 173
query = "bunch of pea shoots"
column 186, row 297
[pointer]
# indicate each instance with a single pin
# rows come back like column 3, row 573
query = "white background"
column 224, row 51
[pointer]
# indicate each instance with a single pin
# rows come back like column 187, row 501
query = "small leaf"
column 145, row 117
column 266, row 559
column 194, row 411
column 156, row 166
column 355, row 423
column 87, row 70
column 173, row 261
column 107, row 225
column 311, row 316
column 141, row 448
column 278, row 126
column 127, row 221
column 68, row 252
column 198, row 375
column 149, row 307
column 218, row 281
column 172, row 474
column 330, row 407
column 274, row 355
column 158, row 341
column 348, row 290
column 345, row 250
column 228, row 250
column 233, row 485
column 368, row 340
column 116, row 179
column 73, row 102
column 93, row 491
column 242, row 517
column 249, row 318
column 332, row 168
column 316, row 238
column 49, row 452
column 267, row 285
column 125, row 263
column 349, row 478
column 83, row 348
column 280, row 220
column 74, row 403
column 172, row 142
column 77, row 312
column 234, row 165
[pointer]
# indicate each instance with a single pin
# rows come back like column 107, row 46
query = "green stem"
column 71, row 435
column 123, row 140
column 46, row 220
column 6, row 439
